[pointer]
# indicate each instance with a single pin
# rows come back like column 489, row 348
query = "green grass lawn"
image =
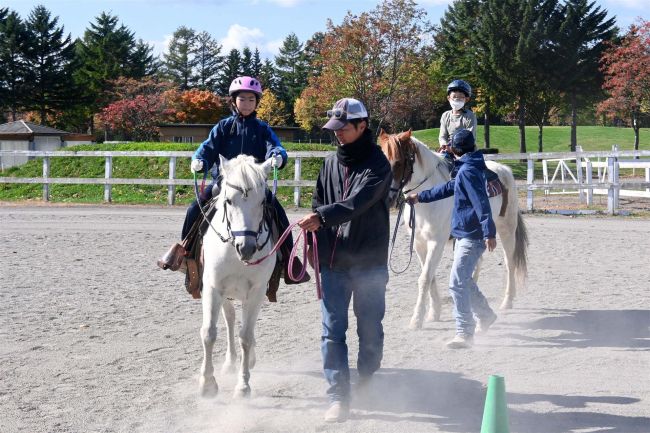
column 505, row 138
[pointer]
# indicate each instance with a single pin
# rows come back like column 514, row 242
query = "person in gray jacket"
column 459, row 93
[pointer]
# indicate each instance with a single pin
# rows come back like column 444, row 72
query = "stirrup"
column 173, row 258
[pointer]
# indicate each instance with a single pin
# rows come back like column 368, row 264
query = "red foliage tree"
column 135, row 118
column 195, row 106
column 627, row 77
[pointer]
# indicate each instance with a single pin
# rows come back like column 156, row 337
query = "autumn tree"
column 272, row 109
column 368, row 57
column 194, row 106
column 627, row 77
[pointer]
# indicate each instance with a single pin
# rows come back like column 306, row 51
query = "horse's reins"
column 301, row 274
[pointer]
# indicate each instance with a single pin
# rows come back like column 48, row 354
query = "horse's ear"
column 407, row 134
column 223, row 162
column 382, row 132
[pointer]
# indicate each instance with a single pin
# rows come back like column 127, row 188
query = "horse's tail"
column 521, row 251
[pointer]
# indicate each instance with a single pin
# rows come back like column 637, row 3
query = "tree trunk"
column 540, row 145
column 486, row 123
column 635, row 127
column 522, row 125
column 574, row 123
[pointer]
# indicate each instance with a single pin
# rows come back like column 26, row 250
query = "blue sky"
column 238, row 23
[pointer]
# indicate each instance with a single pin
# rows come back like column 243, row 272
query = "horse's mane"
column 395, row 149
column 243, row 172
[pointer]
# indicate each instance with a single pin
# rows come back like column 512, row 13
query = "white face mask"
column 456, row 105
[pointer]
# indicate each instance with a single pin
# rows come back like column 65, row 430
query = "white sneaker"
column 482, row 325
column 337, row 412
column 460, row 341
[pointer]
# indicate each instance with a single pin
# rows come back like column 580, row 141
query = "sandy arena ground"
column 95, row 338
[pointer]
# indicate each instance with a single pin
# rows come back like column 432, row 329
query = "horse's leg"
column 507, row 236
column 230, row 364
column 429, row 254
column 435, row 254
column 211, row 302
column 250, row 309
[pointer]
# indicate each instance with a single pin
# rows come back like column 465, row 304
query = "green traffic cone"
column 495, row 414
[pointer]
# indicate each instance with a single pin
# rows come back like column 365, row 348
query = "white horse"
column 417, row 168
column 238, row 234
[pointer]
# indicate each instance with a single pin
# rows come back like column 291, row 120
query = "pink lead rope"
column 294, row 253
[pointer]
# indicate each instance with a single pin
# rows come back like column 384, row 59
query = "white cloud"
column 160, row 46
column 285, row 3
column 239, row 37
column 273, row 47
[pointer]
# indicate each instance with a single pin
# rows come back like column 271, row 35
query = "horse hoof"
column 243, row 392
column 415, row 324
column 208, row 387
column 506, row 304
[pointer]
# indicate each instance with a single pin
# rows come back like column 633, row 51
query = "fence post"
column 590, row 191
column 647, row 178
column 530, row 177
column 612, row 191
column 544, row 173
column 579, row 177
column 108, row 173
column 296, row 176
column 171, row 189
column 46, row 175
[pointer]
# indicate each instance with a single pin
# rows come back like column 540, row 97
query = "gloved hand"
column 411, row 198
column 276, row 160
column 197, row 165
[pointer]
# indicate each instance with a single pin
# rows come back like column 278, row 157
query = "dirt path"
column 95, row 338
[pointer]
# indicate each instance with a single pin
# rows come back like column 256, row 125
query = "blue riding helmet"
column 463, row 140
column 460, row 85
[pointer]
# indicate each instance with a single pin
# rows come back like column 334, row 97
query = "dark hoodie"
column 472, row 217
column 351, row 198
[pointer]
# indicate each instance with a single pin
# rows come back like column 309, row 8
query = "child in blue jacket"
column 473, row 228
column 241, row 133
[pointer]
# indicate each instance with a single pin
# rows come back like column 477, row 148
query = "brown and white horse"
column 417, row 168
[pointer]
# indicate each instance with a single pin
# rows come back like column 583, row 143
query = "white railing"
column 612, row 185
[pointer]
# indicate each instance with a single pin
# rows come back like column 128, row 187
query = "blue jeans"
column 468, row 299
column 369, row 289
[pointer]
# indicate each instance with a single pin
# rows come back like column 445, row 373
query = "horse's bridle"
column 232, row 234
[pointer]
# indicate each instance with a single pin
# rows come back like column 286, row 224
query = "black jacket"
column 356, row 227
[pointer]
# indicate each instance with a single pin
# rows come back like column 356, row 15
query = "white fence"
column 581, row 184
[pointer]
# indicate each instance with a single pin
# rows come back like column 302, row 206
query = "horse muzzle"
column 246, row 246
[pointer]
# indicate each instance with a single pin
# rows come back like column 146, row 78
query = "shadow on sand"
column 455, row 404
column 626, row 329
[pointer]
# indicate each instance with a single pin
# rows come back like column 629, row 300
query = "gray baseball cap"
column 345, row 109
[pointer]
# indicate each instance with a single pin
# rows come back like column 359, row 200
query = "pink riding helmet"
column 245, row 84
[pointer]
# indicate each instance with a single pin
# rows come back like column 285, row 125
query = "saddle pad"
column 494, row 188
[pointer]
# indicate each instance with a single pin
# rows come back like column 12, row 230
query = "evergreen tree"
column 269, row 76
column 105, row 53
column 13, row 42
column 179, row 62
column 256, row 66
column 143, row 61
column 311, row 54
column 50, row 61
column 292, row 72
column 208, row 60
column 580, row 45
column 247, row 62
column 231, row 70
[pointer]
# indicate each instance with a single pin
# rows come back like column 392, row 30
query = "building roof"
column 29, row 128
